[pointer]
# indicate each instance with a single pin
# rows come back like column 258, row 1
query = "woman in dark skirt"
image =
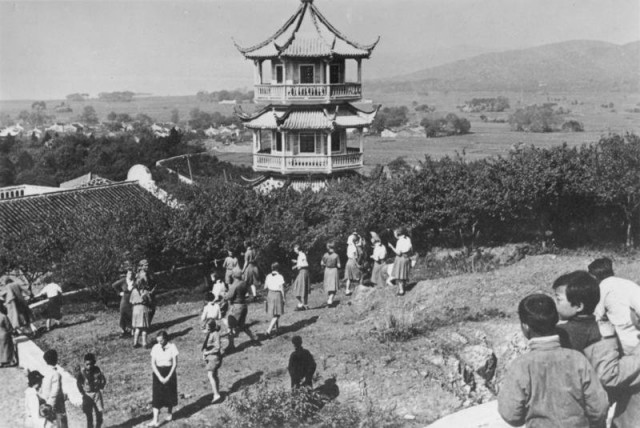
column 402, row 263
column 164, row 362
column 274, row 283
column 302, row 283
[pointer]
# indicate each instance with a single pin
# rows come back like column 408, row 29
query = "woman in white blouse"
column 164, row 362
column 402, row 263
column 32, row 402
column 302, row 283
column 379, row 257
column 274, row 283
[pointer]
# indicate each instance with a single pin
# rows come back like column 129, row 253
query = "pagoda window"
column 278, row 141
column 279, row 74
column 307, row 143
column 335, row 141
column 334, row 73
column 307, row 74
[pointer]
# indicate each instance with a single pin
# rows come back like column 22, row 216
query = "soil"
column 445, row 322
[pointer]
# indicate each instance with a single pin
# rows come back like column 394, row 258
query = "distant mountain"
column 567, row 66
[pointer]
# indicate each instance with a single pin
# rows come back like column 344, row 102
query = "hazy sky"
column 49, row 49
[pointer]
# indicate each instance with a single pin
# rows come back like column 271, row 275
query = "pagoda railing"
column 312, row 92
column 289, row 164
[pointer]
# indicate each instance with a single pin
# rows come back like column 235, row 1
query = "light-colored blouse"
column 274, row 282
column 352, row 251
column 403, row 246
column 51, row 290
column 302, row 260
column 32, row 409
column 211, row 311
column 379, row 252
column 219, row 289
column 163, row 357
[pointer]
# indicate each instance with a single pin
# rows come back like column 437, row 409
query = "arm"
column 118, row 285
column 174, row 365
column 596, row 401
column 512, row 398
column 80, row 381
column 614, row 370
column 155, row 369
column 54, row 389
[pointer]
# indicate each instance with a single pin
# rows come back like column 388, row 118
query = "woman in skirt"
column 402, row 263
column 250, row 270
column 274, row 283
column 352, row 271
column 301, row 284
column 7, row 348
column 379, row 256
column 212, row 355
column 164, row 362
column 331, row 263
column 140, row 316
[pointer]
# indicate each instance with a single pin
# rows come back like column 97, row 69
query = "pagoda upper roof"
column 307, row 33
column 308, row 118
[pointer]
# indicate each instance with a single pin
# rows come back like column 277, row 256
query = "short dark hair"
column 212, row 325
column 275, row 266
column 601, row 268
column 581, row 287
column 209, row 297
column 90, row 357
column 297, row 341
column 51, row 357
column 34, row 378
column 164, row 335
column 539, row 312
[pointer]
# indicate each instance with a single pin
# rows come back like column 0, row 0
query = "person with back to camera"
column 212, row 355
column 274, row 284
column 18, row 310
column 352, row 270
column 52, row 391
column 550, row 386
column 218, row 287
column 164, row 363
column 302, row 366
column 331, row 263
column 230, row 264
column 577, row 294
column 379, row 257
column 619, row 303
column 237, row 318
column 301, row 285
column 402, row 264
column 250, row 269
column 36, row 415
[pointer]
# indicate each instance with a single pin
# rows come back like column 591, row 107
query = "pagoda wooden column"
column 359, row 70
column 361, row 141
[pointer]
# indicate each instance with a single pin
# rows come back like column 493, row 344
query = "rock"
column 457, row 337
column 480, row 360
column 409, row 417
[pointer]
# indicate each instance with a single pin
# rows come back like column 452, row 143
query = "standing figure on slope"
column 402, row 263
column 301, row 285
column 123, row 287
column 379, row 257
column 352, row 271
column 274, row 283
column 250, row 270
column 331, row 263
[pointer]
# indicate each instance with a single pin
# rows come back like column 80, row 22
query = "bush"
column 486, row 104
column 398, row 329
column 445, row 126
column 390, row 117
column 535, row 119
column 572, row 126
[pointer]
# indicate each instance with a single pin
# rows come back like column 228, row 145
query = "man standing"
column 302, row 366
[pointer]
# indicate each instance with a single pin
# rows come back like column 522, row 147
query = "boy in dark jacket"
column 302, row 366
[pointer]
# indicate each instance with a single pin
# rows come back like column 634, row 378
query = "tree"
column 25, row 161
column 7, row 171
column 89, row 116
column 175, row 116
column 38, row 105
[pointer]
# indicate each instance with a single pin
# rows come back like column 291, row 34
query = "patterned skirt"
column 301, row 284
column 140, row 317
column 331, row 280
column 275, row 303
column 401, row 268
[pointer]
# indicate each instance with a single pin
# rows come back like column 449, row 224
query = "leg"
column 136, row 333
column 99, row 419
column 401, row 286
column 331, row 294
column 88, row 413
column 155, row 416
column 48, row 324
column 144, row 337
column 347, row 291
column 253, row 291
column 213, row 380
column 300, row 304
column 272, row 324
column 170, row 413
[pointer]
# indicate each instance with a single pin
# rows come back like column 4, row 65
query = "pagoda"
column 303, row 130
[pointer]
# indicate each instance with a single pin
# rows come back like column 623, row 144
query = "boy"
column 619, row 299
column 302, row 366
column 550, row 386
column 91, row 382
column 51, row 390
column 577, row 295
column 212, row 355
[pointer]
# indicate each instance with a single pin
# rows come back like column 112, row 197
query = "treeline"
column 121, row 97
column 210, row 97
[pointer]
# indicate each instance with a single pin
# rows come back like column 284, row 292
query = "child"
column 213, row 357
column 577, row 295
column 51, row 390
column 36, row 415
column 550, row 386
column 331, row 263
column 618, row 299
column 218, row 288
column 230, row 263
column 91, row 382
column 212, row 310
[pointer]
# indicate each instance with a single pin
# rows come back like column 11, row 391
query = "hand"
column 121, row 294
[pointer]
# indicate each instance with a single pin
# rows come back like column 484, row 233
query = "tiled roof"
column 294, row 118
column 18, row 214
column 307, row 33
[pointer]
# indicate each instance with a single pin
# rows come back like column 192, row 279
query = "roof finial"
column 306, row 1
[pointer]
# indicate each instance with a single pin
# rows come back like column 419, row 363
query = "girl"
column 274, row 283
column 219, row 287
column 32, row 404
column 379, row 256
column 230, row 263
column 352, row 269
column 301, row 284
column 331, row 263
column 213, row 357
column 402, row 263
column 140, row 319
column 250, row 270
column 164, row 362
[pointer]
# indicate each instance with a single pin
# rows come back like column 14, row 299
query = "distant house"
column 228, row 102
column 211, row 132
column 12, row 192
column 160, row 131
column 87, row 180
column 14, row 131
column 62, row 128
column 388, row 133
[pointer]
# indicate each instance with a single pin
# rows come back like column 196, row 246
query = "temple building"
column 306, row 75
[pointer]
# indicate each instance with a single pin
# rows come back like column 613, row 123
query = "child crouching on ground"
column 577, row 294
column 550, row 386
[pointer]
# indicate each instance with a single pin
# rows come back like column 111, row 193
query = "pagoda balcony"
column 307, row 163
column 308, row 92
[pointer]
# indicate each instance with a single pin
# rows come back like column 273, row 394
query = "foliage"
column 77, row 97
column 123, row 97
column 425, row 108
column 204, row 96
column 89, row 115
column 497, row 104
column 397, row 328
column 535, row 119
column 445, row 126
column 572, row 126
column 201, row 120
column 390, row 117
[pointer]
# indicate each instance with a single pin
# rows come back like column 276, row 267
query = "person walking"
column 213, row 357
column 164, row 363
column 274, row 283
column 302, row 366
column 250, row 269
column 402, row 263
column 237, row 318
column 301, row 285
column 123, row 287
column 379, row 257
column 331, row 263
column 352, row 271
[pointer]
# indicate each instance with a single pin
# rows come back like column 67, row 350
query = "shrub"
column 572, row 126
column 397, row 329
column 486, row 104
column 390, row 117
column 535, row 119
column 445, row 126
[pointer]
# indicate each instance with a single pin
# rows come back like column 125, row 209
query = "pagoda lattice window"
column 306, row 74
column 307, row 143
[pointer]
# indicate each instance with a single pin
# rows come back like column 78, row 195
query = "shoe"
column 306, row 307
column 216, row 398
column 169, row 418
column 348, row 293
column 300, row 308
column 400, row 294
column 153, row 424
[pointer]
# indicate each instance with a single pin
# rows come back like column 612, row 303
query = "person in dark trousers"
column 302, row 366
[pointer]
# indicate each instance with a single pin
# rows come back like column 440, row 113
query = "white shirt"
column 379, row 252
column 618, row 297
column 211, row 311
column 218, row 289
column 403, row 246
column 164, row 357
column 302, row 260
column 51, row 290
column 51, row 389
column 32, row 409
column 274, row 282
column 352, row 252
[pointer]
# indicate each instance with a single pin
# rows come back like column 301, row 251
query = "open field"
column 406, row 377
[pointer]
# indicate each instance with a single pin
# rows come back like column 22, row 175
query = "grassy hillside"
column 566, row 66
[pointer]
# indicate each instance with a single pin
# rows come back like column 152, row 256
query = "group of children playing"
column 584, row 354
